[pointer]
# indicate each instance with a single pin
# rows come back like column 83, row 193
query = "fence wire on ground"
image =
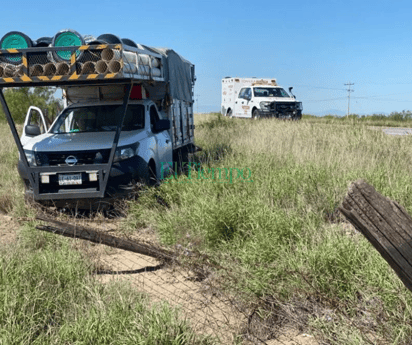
column 210, row 297
column 202, row 302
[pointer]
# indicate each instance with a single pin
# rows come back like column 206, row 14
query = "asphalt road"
column 395, row 130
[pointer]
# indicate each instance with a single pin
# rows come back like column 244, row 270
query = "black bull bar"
column 35, row 171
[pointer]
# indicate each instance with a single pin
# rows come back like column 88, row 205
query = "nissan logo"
column 71, row 160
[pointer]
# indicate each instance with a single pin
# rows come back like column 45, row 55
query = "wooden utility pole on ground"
column 81, row 232
column 385, row 223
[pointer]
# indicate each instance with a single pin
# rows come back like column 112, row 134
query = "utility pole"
column 197, row 102
column 349, row 91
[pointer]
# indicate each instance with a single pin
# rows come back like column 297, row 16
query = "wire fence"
column 213, row 299
column 208, row 308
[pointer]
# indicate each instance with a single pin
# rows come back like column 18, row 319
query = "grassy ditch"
column 48, row 297
column 48, row 294
column 11, row 186
column 270, row 217
column 277, row 228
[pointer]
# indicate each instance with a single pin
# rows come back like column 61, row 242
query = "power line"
column 320, row 87
column 349, row 91
column 372, row 83
column 391, row 100
column 362, row 97
column 324, row 100
column 389, row 94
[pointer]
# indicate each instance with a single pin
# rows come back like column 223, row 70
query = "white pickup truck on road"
column 257, row 98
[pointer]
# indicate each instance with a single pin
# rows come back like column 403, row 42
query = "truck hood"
column 49, row 142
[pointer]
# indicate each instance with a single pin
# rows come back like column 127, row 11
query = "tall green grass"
column 276, row 231
column 11, row 186
column 47, row 296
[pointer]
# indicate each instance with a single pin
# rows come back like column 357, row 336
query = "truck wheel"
column 230, row 113
column 15, row 40
column 147, row 174
column 255, row 114
column 152, row 174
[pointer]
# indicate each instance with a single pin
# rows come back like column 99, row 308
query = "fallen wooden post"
column 385, row 223
column 76, row 231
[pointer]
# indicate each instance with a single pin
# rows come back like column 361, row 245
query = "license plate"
column 65, row 180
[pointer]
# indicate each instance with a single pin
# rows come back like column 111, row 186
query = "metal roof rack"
column 75, row 65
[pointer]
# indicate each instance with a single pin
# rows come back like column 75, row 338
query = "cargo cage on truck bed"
column 167, row 76
column 86, row 64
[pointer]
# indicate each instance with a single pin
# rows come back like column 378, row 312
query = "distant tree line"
column 404, row 115
column 20, row 99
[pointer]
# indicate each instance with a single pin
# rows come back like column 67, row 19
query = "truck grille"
column 83, row 157
column 283, row 107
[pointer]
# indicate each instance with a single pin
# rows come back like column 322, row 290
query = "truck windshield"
column 270, row 92
column 100, row 118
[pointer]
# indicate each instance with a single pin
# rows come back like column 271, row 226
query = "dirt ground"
column 208, row 312
column 8, row 230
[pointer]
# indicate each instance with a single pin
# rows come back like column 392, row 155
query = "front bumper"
column 122, row 174
column 282, row 110
column 294, row 115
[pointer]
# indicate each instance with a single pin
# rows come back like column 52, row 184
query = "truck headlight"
column 125, row 152
column 31, row 158
column 299, row 106
column 264, row 105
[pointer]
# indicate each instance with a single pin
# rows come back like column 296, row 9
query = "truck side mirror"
column 161, row 125
column 32, row 130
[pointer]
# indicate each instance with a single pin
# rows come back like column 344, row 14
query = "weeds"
column 11, row 186
column 216, row 120
column 277, row 230
column 274, row 234
column 48, row 297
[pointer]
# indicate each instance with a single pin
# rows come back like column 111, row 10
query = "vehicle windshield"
column 270, row 92
column 100, row 118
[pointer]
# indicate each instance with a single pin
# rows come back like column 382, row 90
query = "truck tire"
column 67, row 38
column 148, row 174
column 16, row 40
column 255, row 114
column 110, row 39
column 129, row 42
column 151, row 176
column 43, row 42
column 230, row 113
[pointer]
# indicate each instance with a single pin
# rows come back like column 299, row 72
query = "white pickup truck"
column 127, row 122
column 83, row 134
column 257, row 98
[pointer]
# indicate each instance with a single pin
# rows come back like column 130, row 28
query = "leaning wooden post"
column 384, row 223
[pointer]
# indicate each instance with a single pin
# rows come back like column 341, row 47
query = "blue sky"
column 314, row 46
